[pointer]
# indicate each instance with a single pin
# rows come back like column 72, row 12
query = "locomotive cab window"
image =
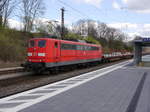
column 31, row 43
column 56, row 45
column 42, row 43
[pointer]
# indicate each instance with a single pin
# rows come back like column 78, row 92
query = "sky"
column 130, row 16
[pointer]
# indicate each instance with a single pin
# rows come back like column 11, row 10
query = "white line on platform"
column 19, row 107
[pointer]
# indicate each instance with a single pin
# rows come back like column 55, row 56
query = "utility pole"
column 62, row 22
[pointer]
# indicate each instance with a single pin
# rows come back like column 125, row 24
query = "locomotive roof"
column 66, row 41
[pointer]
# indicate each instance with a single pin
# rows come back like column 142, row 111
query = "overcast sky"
column 130, row 16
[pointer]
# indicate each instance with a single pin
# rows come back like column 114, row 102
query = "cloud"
column 19, row 25
column 147, row 26
column 92, row 2
column 56, row 21
column 132, row 35
column 124, row 1
column 15, row 24
column 116, row 5
column 123, row 25
column 140, row 6
column 132, row 29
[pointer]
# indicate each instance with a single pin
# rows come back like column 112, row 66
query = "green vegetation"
column 92, row 40
column 73, row 36
column 89, row 39
column 12, row 45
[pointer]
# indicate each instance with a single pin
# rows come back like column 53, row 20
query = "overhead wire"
column 74, row 9
column 79, row 12
column 85, row 15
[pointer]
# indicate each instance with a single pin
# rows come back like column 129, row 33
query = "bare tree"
column 80, row 27
column 102, row 30
column 6, row 9
column 48, row 27
column 31, row 9
column 85, row 28
column 109, row 37
column 91, row 28
column 2, row 4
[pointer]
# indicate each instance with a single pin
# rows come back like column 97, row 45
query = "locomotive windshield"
column 42, row 43
column 32, row 43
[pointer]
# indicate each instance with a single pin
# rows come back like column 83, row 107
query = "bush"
column 12, row 45
column 73, row 36
column 76, row 36
column 92, row 40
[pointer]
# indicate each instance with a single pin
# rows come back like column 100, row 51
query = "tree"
column 9, row 7
column 110, row 38
column 48, row 27
column 31, row 9
column 102, row 30
column 6, row 9
column 2, row 4
column 91, row 28
column 80, row 27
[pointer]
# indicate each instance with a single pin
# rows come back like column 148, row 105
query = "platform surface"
column 119, row 88
column 146, row 58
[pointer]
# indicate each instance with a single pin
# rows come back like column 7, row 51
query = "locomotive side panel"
column 52, row 51
column 68, row 51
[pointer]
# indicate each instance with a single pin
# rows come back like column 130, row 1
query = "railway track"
column 26, row 81
column 11, row 70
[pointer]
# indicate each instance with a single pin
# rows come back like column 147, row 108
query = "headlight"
column 29, row 54
column 41, row 54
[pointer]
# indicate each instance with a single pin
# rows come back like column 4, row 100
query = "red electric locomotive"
column 47, row 53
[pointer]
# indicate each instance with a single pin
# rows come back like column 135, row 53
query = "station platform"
column 118, row 88
column 146, row 61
